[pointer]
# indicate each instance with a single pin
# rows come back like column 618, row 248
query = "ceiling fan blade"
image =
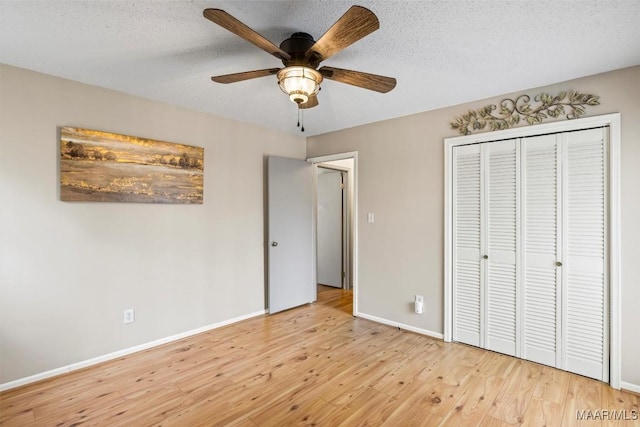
column 312, row 102
column 230, row 23
column 247, row 75
column 374, row 82
column 355, row 24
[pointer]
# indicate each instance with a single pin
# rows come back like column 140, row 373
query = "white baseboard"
column 400, row 325
column 630, row 387
column 95, row 360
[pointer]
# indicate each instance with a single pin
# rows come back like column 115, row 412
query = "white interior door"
column 468, row 268
column 585, row 309
column 486, row 223
column 329, row 192
column 565, row 275
column 542, row 249
column 290, row 222
column 502, row 223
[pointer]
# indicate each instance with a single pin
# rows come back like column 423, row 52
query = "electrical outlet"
column 418, row 304
column 129, row 316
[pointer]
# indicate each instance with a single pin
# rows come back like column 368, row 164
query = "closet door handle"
column 558, row 264
column 485, row 257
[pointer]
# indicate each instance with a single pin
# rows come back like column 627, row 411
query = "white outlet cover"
column 129, row 316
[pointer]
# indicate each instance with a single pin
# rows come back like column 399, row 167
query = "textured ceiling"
column 441, row 52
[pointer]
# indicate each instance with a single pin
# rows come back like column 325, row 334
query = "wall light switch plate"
column 370, row 217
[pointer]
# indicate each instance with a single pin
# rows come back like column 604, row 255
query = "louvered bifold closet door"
column 540, row 291
column 585, row 313
column 502, row 188
column 467, row 183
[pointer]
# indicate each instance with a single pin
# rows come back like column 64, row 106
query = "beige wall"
column 400, row 171
column 68, row 270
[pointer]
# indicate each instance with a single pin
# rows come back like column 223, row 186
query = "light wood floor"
column 313, row 365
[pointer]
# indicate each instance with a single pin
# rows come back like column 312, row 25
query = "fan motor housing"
column 296, row 46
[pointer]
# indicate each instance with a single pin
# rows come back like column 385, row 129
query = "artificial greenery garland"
column 570, row 104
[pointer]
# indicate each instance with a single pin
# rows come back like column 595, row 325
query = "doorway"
column 335, row 227
column 332, row 226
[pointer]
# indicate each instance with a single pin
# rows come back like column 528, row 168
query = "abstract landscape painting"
column 106, row 167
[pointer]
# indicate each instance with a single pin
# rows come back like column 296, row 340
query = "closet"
column 529, row 248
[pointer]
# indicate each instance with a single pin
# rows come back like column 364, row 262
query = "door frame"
column 613, row 122
column 354, row 209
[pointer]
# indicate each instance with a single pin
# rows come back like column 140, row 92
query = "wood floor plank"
column 511, row 403
column 18, row 419
column 543, row 413
column 476, row 400
column 309, row 412
column 369, row 408
column 83, row 401
column 405, row 369
column 489, row 421
column 553, row 385
column 583, row 395
column 224, row 406
column 86, row 405
column 355, row 379
column 312, row 365
column 59, row 389
column 148, row 407
column 441, row 382
column 303, row 398
column 409, row 412
column 496, row 364
column 623, row 409
column 444, row 391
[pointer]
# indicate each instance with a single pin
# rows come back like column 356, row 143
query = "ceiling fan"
column 300, row 54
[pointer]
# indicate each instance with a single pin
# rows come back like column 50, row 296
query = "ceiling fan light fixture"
column 299, row 83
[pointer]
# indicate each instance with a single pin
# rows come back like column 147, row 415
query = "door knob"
column 558, row 264
column 485, row 257
column 274, row 243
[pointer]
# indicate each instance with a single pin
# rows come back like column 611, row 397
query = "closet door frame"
column 613, row 122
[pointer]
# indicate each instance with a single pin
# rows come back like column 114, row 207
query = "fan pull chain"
column 300, row 119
